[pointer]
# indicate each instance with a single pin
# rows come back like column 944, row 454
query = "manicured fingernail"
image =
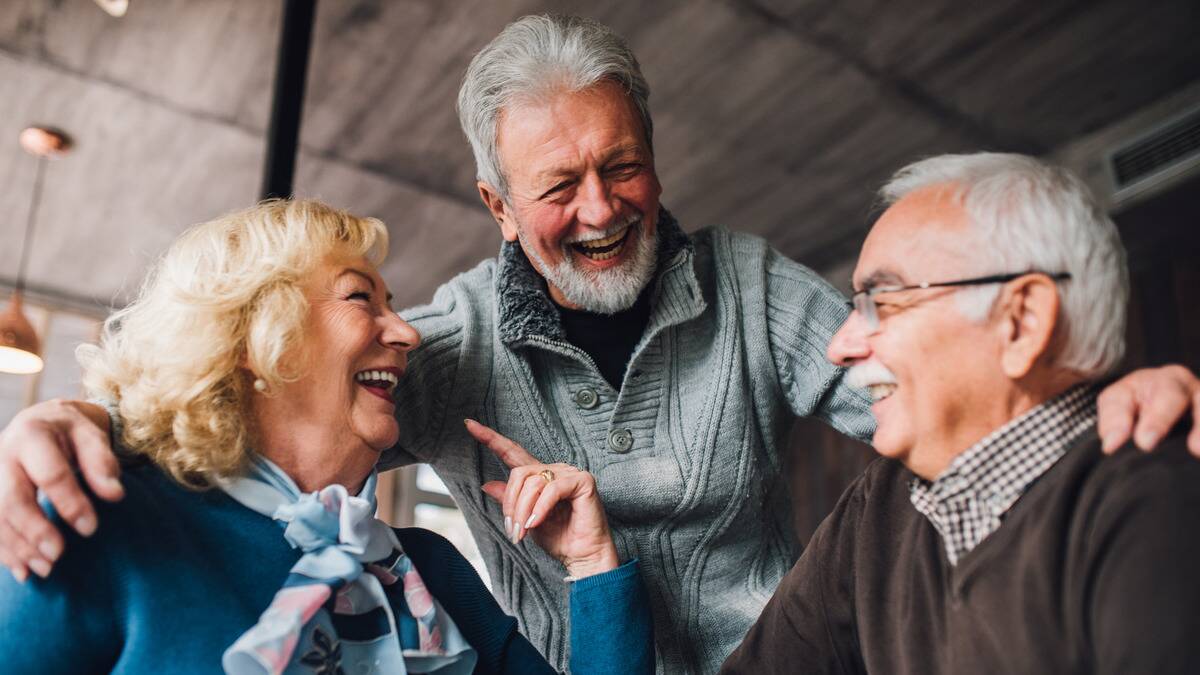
column 1147, row 440
column 530, row 521
column 507, row 526
column 113, row 484
column 1110, row 441
column 40, row 567
column 21, row 575
column 49, row 549
column 85, row 525
column 516, row 535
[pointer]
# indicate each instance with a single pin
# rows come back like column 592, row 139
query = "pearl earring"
column 260, row 384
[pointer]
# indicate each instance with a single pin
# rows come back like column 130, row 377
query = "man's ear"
column 499, row 210
column 1028, row 309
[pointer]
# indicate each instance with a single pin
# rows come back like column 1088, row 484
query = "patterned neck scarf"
column 353, row 602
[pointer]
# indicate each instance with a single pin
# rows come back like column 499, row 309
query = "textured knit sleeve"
column 803, row 313
column 1144, row 602
column 808, row 625
column 423, row 396
column 65, row 623
column 611, row 628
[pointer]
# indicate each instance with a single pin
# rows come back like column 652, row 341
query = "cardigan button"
column 587, row 398
column 620, row 440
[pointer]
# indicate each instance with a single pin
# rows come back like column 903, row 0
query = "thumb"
column 495, row 490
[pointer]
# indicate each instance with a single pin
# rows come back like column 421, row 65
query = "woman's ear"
column 499, row 209
column 1028, row 310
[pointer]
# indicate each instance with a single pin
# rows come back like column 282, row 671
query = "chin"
column 382, row 436
column 889, row 447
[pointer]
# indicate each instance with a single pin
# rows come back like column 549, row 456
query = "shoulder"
column 149, row 494
column 1131, row 478
column 756, row 264
column 466, row 290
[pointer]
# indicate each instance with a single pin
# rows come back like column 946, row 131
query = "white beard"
column 601, row 292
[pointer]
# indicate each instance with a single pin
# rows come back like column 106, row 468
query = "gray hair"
column 1027, row 215
column 535, row 56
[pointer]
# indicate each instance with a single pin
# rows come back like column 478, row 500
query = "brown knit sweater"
column 1095, row 569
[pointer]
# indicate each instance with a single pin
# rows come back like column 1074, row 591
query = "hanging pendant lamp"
column 20, row 348
column 114, row 8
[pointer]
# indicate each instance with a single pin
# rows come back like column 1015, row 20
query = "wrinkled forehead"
column 925, row 236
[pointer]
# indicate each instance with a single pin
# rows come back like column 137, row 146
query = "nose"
column 398, row 334
column 597, row 207
column 849, row 344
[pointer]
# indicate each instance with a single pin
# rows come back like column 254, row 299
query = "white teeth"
column 881, row 391
column 607, row 241
column 378, row 376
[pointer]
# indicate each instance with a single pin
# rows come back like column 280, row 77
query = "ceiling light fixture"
column 115, row 8
column 20, row 348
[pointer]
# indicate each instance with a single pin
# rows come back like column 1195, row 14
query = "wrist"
column 605, row 560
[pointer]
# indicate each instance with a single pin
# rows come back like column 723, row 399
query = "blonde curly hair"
column 225, row 296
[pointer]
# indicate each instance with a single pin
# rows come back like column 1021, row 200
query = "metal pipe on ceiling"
column 291, row 71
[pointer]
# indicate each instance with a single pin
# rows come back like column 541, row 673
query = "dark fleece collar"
column 524, row 306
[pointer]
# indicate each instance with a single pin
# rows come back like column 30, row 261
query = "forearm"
column 611, row 627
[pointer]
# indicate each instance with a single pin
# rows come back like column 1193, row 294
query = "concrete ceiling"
column 773, row 117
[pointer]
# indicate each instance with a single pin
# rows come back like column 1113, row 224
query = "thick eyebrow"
column 555, row 173
column 882, row 277
column 368, row 279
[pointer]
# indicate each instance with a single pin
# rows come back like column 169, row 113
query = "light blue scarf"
column 330, row 617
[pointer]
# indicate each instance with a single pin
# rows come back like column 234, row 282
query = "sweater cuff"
column 618, row 575
column 611, row 629
column 116, row 428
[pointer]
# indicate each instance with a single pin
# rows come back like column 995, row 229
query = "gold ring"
column 547, row 474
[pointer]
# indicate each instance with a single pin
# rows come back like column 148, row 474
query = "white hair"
column 533, row 57
column 1029, row 216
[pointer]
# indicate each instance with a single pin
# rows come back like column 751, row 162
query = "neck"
column 313, row 454
column 984, row 418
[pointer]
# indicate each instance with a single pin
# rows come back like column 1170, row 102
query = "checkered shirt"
column 968, row 500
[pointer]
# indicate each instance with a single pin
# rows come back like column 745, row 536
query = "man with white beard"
column 669, row 365
column 993, row 537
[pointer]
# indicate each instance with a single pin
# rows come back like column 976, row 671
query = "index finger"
column 509, row 452
column 1115, row 412
column 50, row 471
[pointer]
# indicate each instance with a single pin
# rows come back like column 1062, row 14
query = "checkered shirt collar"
column 968, row 501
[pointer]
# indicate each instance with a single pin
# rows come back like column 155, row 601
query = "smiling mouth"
column 606, row 248
column 881, row 391
column 381, row 383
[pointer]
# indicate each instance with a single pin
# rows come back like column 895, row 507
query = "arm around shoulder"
column 428, row 386
column 803, row 313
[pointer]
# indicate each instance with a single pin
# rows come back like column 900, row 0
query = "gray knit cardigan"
column 687, row 455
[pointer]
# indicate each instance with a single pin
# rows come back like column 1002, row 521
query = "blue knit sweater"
column 173, row 577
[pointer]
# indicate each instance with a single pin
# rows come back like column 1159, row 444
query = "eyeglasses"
column 864, row 300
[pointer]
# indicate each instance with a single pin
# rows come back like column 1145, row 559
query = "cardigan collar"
column 525, row 310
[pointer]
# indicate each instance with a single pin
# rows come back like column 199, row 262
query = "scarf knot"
column 353, row 577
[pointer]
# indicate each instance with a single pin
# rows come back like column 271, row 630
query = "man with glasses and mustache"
column 670, row 365
column 992, row 537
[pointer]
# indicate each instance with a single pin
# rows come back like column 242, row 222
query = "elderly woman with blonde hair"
column 254, row 378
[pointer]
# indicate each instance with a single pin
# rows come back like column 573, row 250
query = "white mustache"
column 863, row 375
column 593, row 236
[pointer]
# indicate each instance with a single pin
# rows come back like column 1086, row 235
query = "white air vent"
column 1160, row 154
